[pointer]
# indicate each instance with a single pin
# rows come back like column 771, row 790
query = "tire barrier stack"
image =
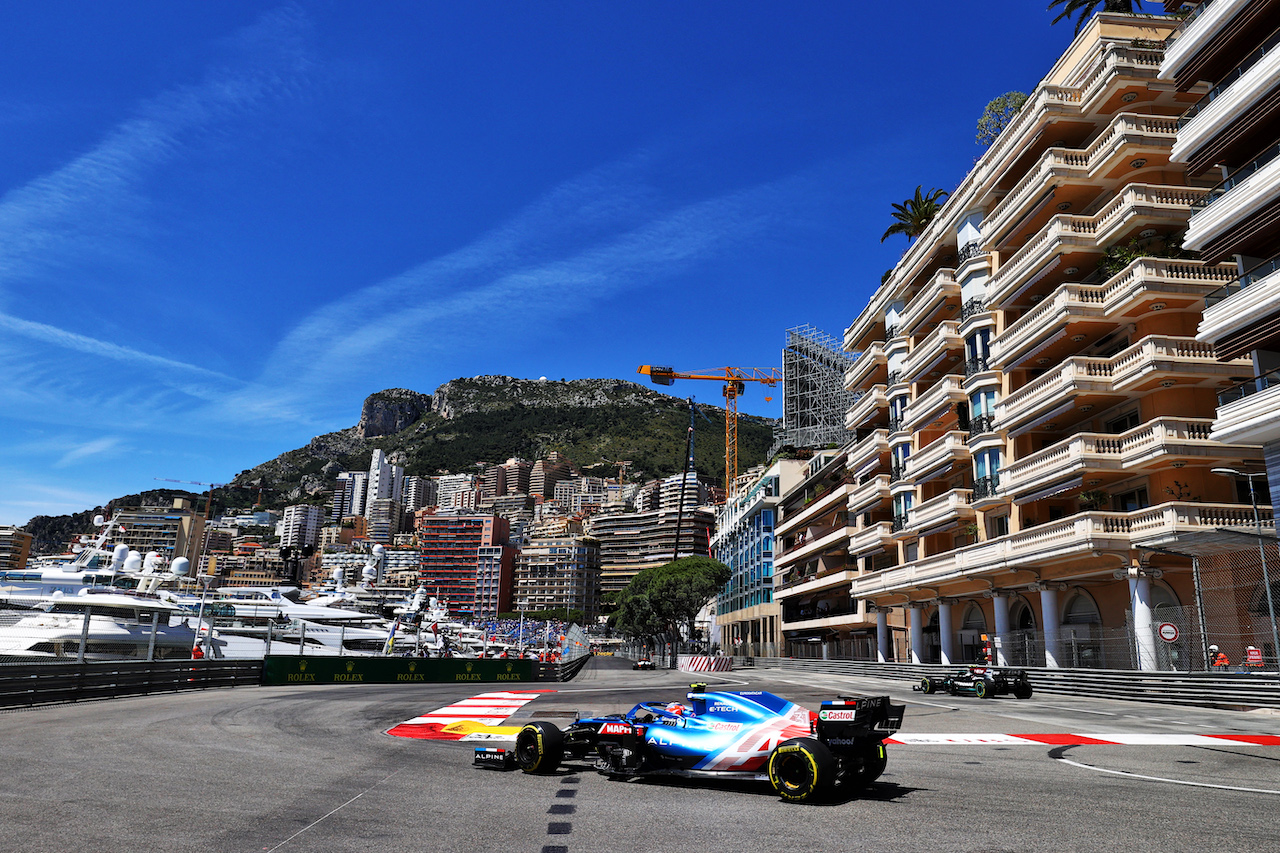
column 703, row 663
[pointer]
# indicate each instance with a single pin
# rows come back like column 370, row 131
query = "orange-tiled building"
column 1036, row 412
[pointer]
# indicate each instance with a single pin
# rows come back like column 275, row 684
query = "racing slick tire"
column 983, row 688
column 874, row 759
column 801, row 769
column 1022, row 691
column 928, row 685
column 539, row 748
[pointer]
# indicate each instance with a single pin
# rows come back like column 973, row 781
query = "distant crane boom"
column 735, row 381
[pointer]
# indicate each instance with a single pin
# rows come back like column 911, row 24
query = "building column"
column 915, row 631
column 1000, row 603
column 1140, row 597
column 882, row 634
column 1049, row 621
column 945, row 633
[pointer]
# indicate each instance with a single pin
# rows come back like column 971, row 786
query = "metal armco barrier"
column 1204, row 689
column 53, row 683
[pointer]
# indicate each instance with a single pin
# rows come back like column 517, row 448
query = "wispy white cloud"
column 98, row 447
column 589, row 239
column 93, row 208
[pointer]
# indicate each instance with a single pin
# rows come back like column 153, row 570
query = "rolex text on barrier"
column 306, row 669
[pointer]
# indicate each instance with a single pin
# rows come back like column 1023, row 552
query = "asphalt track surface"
column 311, row 769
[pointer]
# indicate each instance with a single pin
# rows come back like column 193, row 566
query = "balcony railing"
column 981, row 425
column 969, row 251
column 1253, row 276
column 986, row 487
column 1250, row 386
column 1233, row 180
column 895, row 424
column 899, row 523
column 972, row 308
column 897, row 471
column 1231, row 77
column 976, row 365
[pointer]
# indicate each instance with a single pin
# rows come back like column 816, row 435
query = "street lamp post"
column 1262, row 552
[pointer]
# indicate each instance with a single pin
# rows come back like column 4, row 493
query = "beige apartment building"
column 1036, row 413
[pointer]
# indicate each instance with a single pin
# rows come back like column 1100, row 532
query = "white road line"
column 331, row 813
column 1163, row 779
column 1078, row 710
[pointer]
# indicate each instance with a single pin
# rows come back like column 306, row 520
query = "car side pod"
column 802, row 769
column 539, row 748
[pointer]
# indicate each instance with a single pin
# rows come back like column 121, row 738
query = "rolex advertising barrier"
column 309, row 669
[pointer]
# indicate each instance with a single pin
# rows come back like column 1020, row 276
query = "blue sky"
column 223, row 225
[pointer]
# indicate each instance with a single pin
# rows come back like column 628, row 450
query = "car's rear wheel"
column 927, row 685
column 983, row 689
column 874, row 759
column 801, row 769
column 1022, row 691
column 539, row 748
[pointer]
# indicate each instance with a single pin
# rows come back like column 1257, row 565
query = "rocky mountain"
column 467, row 423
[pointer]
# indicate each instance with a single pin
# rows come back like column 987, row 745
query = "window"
column 986, row 463
column 977, row 347
column 1130, row 500
column 983, row 402
column 998, row 525
column 1123, row 423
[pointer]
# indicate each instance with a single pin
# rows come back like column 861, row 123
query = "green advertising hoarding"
column 309, row 669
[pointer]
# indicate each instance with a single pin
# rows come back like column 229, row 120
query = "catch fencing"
column 1203, row 689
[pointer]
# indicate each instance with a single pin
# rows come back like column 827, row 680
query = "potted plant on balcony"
column 1094, row 499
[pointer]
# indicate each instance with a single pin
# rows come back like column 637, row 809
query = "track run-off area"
column 377, row 767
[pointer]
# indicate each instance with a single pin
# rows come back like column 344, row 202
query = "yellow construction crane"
column 735, row 381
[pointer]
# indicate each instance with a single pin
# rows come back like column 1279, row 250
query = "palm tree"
column 915, row 214
column 1085, row 9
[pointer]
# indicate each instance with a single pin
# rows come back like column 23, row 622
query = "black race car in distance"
column 985, row 682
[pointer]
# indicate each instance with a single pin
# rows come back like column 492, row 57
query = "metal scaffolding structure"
column 814, row 399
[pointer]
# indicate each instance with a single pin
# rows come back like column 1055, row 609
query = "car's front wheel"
column 983, row 689
column 801, row 769
column 539, row 748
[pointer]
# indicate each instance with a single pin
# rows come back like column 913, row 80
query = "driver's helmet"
column 677, row 709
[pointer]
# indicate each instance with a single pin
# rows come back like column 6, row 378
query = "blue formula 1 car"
column 739, row 735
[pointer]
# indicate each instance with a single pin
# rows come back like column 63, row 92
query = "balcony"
column 942, row 288
column 934, row 402
column 933, row 349
column 985, row 488
column 869, row 407
column 1151, row 361
column 981, row 425
column 818, row 542
column 868, row 495
column 1245, row 193
column 1176, row 283
column 1250, row 411
column 937, row 458
column 866, row 455
column 812, row 509
column 1248, row 83
column 866, row 366
column 871, row 539
column 971, row 309
column 946, row 509
column 1128, row 136
column 1069, row 540
column 1136, row 204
